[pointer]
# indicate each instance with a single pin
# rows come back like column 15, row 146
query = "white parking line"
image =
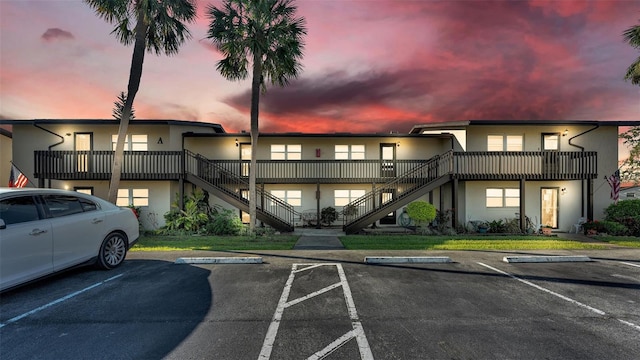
column 64, row 298
column 357, row 332
column 630, row 264
column 597, row 311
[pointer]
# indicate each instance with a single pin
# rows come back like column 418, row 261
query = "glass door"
column 550, row 147
column 549, row 207
column 390, row 218
column 387, row 160
column 83, row 144
column 245, row 159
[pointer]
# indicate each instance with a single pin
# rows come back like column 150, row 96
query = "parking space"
column 332, row 305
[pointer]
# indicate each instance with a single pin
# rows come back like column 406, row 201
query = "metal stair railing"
column 401, row 187
column 232, row 185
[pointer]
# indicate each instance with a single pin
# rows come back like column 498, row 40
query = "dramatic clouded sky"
column 369, row 66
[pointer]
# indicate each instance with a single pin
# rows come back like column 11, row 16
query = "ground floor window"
column 135, row 197
column 343, row 197
column 291, row 197
column 502, row 197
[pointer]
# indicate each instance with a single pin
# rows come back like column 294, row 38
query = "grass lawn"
column 375, row 242
column 628, row 241
column 462, row 242
column 212, row 243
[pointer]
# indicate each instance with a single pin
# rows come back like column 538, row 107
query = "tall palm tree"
column 266, row 36
column 151, row 25
column 632, row 36
column 632, row 136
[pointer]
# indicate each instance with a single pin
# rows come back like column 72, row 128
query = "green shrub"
column 421, row 212
column 328, row 215
column 443, row 219
column 224, row 222
column 626, row 213
column 496, row 226
column 614, row 228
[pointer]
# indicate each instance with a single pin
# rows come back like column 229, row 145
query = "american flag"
column 16, row 178
column 614, row 182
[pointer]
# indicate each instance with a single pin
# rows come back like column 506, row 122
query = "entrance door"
column 549, row 207
column 551, row 147
column 83, row 143
column 245, row 159
column 387, row 160
column 386, row 196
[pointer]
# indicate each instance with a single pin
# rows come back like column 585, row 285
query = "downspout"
column 581, row 181
column 50, row 146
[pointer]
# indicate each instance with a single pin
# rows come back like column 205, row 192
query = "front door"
column 245, row 159
column 551, row 147
column 549, row 207
column 83, row 143
column 387, row 160
column 390, row 218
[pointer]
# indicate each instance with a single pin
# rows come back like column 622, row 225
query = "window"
column 131, row 142
column 63, row 205
column 350, row 152
column 18, row 210
column 343, row 197
column 291, row 197
column 135, row 197
column 84, row 190
column 502, row 142
column 498, row 197
column 286, row 152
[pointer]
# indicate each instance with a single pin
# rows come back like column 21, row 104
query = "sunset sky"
column 369, row 66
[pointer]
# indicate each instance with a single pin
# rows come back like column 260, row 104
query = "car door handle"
column 37, row 232
column 96, row 221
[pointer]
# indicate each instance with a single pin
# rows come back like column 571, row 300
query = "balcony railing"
column 166, row 165
column 529, row 165
column 96, row 165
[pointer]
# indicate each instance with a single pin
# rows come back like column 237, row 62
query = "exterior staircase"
column 406, row 188
column 227, row 186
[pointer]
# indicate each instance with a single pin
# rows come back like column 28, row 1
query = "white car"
column 43, row 231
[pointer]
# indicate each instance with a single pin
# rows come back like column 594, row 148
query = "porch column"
column 523, row 222
column 318, row 217
column 590, row 199
column 454, row 204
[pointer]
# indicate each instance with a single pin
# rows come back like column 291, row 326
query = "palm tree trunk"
column 255, row 101
column 135, row 74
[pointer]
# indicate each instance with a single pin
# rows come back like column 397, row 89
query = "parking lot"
column 329, row 304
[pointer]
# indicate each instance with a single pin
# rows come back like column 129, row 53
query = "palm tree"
column 153, row 26
column 265, row 35
column 632, row 36
column 118, row 106
column 632, row 136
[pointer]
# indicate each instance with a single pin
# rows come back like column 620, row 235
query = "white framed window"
column 131, row 142
column 349, row 152
column 291, row 197
column 343, row 197
column 505, row 143
column 286, row 152
column 502, row 197
column 135, row 197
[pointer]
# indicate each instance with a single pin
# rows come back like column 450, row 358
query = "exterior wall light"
column 237, row 143
column 566, row 132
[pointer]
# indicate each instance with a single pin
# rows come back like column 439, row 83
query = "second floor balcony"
column 171, row 165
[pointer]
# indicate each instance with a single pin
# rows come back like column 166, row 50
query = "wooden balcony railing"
column 167, row 165
column 96, row 165
column 528, row 165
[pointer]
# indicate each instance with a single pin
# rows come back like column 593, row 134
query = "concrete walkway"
column 318, row 239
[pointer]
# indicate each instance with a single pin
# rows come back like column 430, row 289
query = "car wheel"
column 112, row 251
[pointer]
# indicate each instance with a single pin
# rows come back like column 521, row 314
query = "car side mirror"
column 3, row 225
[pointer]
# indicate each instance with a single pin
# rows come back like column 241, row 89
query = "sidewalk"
column 318, row 239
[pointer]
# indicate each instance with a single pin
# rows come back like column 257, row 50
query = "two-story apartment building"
column 551, row 171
